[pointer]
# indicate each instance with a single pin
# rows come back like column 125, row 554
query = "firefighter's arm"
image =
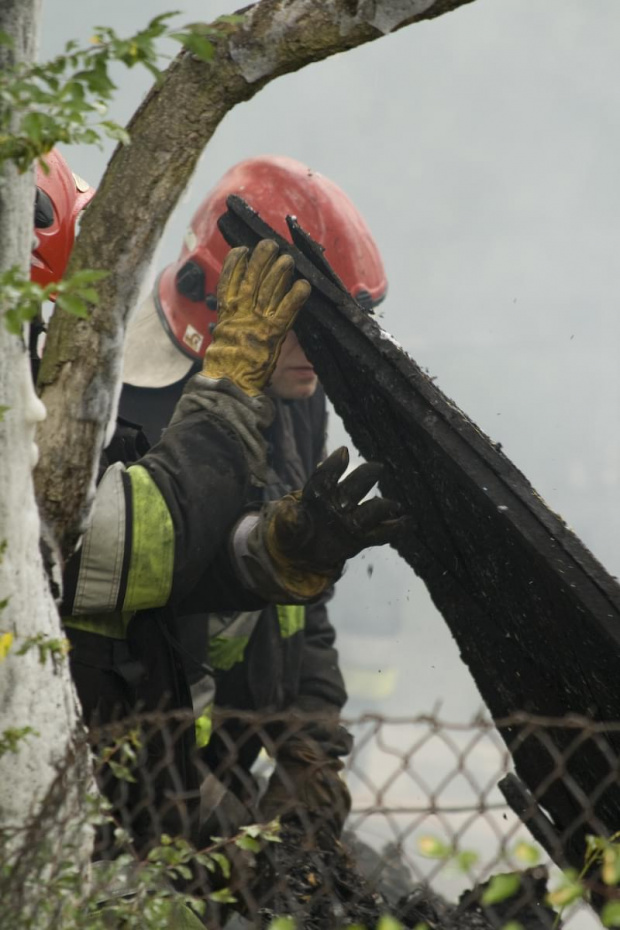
column 307, row 783
column 157, row 525
column 297, row 547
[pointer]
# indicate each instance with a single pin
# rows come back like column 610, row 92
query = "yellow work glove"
column 256, row 308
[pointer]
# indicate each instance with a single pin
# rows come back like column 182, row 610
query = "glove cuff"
column 265, row 570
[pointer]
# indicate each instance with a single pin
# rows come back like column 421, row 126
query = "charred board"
column 535, row 616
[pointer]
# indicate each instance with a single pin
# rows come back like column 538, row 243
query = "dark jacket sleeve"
column 200, row 471
column 159, row 529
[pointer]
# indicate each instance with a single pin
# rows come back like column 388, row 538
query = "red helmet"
column 275, row 187
column 61, row 196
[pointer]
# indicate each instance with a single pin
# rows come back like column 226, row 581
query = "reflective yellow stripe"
column 152, row 552
column 224, row 651
column 204, row 725
column 113, row 624
column 292, row 619
column 228, row 648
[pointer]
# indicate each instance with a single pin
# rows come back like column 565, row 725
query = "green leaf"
column 223, row 862
column 3, row 410
column 158, row 25
column 197, row 44
column 610, row 915
column 73, row 304
column 11, row 738
column 466, row 860
column 13, row 320
column 86, row 276
column 6, row 39
column 232, row 18
column 501, row 887
column 248, row 844
column 526, row 853
column 121, row 771
column 223, row 896
column 89, row 294
column 610, row 872
column 569, row 890
column 389, row 923
column 433, row 848
column 32, row 125
column 115, row 131
column 285, row 923
column 197, row 905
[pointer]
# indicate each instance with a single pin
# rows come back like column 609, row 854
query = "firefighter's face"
column 294, row 377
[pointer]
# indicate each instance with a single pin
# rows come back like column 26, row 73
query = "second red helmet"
column 275, row 187
column 60, row 198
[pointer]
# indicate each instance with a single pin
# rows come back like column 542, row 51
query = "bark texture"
column 141, row 187
column 34, row 694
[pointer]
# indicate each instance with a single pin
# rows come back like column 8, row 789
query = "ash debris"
column 328, row 886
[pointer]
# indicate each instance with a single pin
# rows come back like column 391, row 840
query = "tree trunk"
column 80, row 371
column 40, row 717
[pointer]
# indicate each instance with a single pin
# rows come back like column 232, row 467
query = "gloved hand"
column 306, row 785
column 311, row 533
column 256, row 308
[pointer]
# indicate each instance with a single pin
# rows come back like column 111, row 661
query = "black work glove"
column 306, row 784
column 311, row 533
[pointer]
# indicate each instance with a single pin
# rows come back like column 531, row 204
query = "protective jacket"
column 275, row 658
column 157, row 540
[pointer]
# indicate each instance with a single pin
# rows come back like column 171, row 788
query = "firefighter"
column 278, row 658
column 60, row 197
column 156, row 546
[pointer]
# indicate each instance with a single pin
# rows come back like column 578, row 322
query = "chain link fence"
column 435, row 835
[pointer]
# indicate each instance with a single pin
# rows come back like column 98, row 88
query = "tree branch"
column 141, row 187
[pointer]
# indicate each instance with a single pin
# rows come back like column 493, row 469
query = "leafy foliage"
column 66, row 99
column 21, row 299
column 121, row 755
column 501, row 887
column 127, row 892
column 47, row 646
column 12, row 737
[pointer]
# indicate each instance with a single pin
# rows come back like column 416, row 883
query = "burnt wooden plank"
column 535, row 615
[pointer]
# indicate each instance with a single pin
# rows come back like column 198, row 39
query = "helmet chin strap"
column 151, row 360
